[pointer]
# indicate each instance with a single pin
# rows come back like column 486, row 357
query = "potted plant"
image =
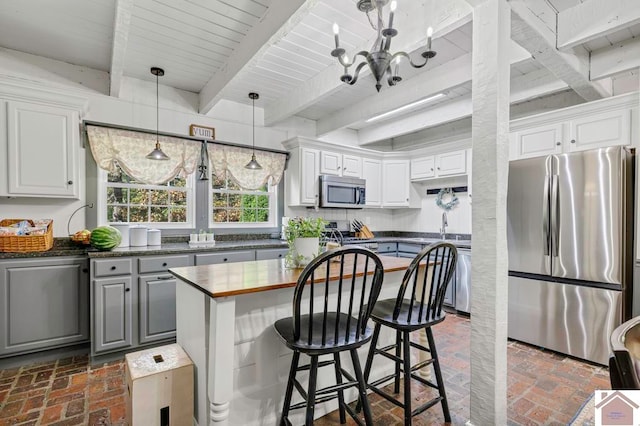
column 303, row 237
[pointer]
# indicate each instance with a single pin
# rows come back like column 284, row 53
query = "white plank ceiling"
column 196, row 40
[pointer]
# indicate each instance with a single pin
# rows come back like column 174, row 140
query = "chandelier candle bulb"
column 429, row 34
column 393, row 6
column 336, row 34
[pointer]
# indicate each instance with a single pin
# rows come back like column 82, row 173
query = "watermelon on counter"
column 105, row 237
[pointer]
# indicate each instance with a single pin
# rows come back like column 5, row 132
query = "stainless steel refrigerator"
column 570, row 234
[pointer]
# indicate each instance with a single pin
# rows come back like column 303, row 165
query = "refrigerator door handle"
column 545, row 216
column 555, row 216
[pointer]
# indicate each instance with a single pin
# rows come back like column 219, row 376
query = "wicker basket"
column 25, row 243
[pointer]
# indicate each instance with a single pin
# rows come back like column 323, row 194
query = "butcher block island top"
column 232, row 279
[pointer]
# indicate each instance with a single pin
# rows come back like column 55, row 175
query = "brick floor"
column 544, row 388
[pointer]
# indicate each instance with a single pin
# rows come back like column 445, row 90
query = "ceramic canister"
column 124, row 230
column 153, row 237
column 138, row 237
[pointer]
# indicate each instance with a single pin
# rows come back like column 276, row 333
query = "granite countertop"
column 63, row 247
column 177, row 245
column 177, row 248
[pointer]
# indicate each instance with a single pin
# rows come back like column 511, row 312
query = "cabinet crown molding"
column 36, row 93
column 627, row 100
column 299, row 142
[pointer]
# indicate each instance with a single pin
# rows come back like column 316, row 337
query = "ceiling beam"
column 620, row 58
column 532, row 85
column 121, row 25
column 280, row 18
column 533, row 27
column 437, row 80
column 448, row 16
column 594, row 19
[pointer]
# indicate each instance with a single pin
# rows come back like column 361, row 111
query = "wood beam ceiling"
column 594, row 19
column 122, row 23
column 532, row 28
column 279, row 19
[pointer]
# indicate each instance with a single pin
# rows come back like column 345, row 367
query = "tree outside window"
column 128, row 200
column 231, row 204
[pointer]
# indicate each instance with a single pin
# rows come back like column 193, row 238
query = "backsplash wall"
column 375, row 219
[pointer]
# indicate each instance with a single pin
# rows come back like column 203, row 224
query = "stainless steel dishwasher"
column 463, row 281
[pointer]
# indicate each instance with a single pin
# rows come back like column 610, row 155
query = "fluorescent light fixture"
column 405, row 107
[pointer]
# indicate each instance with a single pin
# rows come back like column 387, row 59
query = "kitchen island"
column 225, row 315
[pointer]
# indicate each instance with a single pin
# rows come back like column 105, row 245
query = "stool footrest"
column 419, row 346
column 424, row 381
column 335, row 388
column 388, row 355
column 317, row 401
column 320, row 364
column 386, row 396
column 300, row 389
column 426, row 406
column 382, row 380
column 386, row 348
column 422, row 364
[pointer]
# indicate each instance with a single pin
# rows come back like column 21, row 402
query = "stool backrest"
column 353, row 265
column 425, row 283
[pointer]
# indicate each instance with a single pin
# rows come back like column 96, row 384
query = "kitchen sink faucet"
column 443, row 229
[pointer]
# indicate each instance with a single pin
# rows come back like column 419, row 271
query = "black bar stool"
column 420, row 309
column 330, row 328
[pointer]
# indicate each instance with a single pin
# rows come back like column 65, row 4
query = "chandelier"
column 380, row 59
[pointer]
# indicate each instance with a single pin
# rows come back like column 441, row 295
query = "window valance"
column 128, row 149
column 229, row 161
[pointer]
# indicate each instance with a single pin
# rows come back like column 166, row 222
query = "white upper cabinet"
column 396, row 186
column 440, row 165
column 330, row 163
column 423, row 167
column 599, row 124
column 351, row 166
column 301, row 180
column 606, row 129
column 536, row 142
column 372, row 174
column 336, row 164
column 42, row 151
column 451, row 163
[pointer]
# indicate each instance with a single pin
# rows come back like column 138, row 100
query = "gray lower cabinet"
column 157, row 307
column 112, row 313
column 388, row 249
column 44, row 304
column 266, row 254
column 225, row 257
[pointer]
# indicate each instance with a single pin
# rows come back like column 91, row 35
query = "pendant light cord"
column 253, row 127
column 157, row 110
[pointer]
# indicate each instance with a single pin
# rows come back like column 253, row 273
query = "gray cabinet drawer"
column 110, row 267
column 387, row 247
column 225, row 257
column 409, row 248
column 161, row 263
column 266, row 254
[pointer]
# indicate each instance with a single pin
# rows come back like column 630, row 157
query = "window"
column 234, row 207
column 123, row 199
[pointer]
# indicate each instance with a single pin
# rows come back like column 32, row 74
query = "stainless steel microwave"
column 342, row 192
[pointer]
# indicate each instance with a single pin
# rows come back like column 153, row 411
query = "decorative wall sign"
column 202, row 131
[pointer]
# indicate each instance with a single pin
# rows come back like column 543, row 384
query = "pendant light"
column 253, row 164
column 157, row 153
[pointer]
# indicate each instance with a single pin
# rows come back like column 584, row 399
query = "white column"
column 220, row 365
column 490, row 135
